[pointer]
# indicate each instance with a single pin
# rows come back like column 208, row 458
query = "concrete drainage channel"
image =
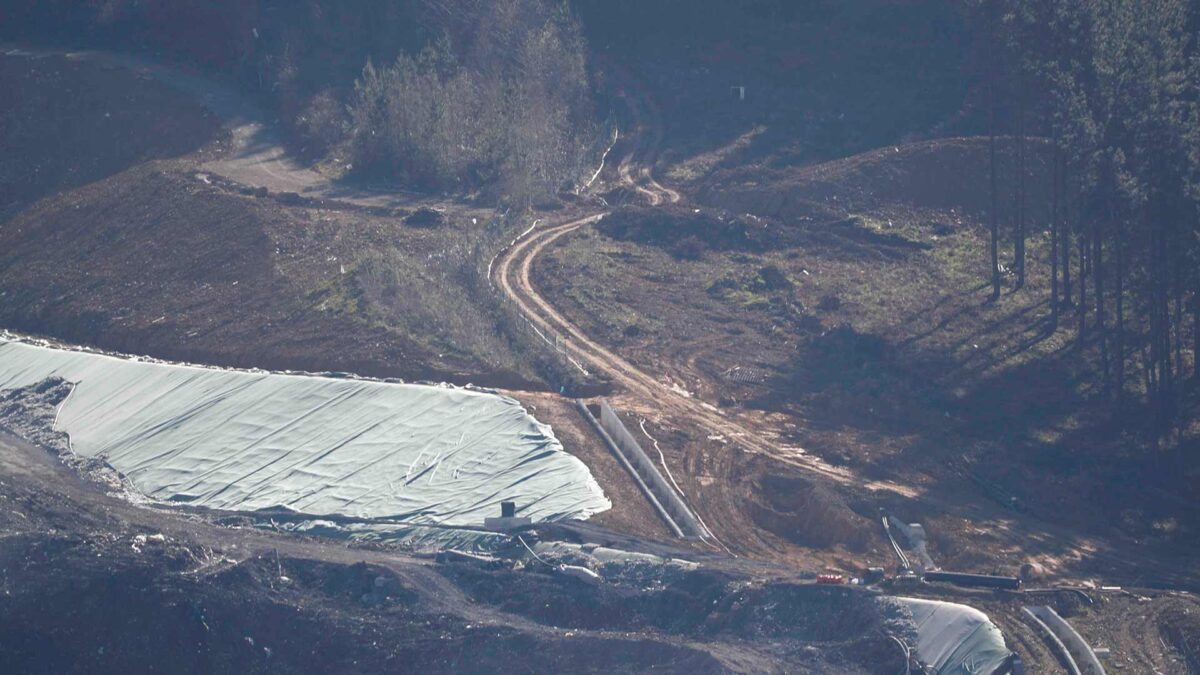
column 667, row 502
column 1076, row 654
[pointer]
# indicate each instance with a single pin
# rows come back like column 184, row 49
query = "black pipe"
column 984, row 580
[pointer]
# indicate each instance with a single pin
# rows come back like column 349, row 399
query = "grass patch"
column 337, row 297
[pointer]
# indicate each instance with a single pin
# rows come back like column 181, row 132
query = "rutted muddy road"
column 725, row 502
column 635, row 170
column 645, row 394
column 722, row 499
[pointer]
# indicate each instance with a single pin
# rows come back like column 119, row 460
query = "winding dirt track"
column 258, row 159
column 513, row 272
column 717, row 488
column 723, row 504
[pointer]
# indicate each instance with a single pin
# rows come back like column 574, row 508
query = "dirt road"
column 724, row 502
column 634, row 171
column 512, row 273
column 726, row 496
column 716, row 472
column 723, row 506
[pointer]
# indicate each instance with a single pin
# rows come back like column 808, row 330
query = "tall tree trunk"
column 1156, row 392
column 992, row 214
column 1098, row 284
column 1160, row 324
column 1019, row 235
column 1064, row 234
column 1168, row 372
column 1178, row 288
column 1196, row 326
column 1081, row 237
column 1147, row 369
column 1148, row 346
column 1119, row 377
column 1055, row 188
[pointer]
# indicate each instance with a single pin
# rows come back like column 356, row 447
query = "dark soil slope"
column 67, row 122
column 858, row 325
column 948, row 173
column 153, row 261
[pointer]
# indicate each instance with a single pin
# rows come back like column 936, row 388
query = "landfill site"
column 723, row 394
column 440, row 471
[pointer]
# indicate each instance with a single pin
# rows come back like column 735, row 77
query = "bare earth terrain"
column 756, row 360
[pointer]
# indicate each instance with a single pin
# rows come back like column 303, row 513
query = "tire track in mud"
column 644, row 183
column 1138, row 641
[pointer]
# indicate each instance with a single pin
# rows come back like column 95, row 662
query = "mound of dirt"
column 850, row 379
column 266, row 614
column 703, row 605
column 808, row 514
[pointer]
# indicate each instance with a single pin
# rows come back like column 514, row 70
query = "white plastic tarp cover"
column 245, row 441
column 954, row 638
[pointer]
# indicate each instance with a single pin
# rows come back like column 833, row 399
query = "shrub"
column 424, row 217
column 774, row 279
column 689, row 248
column 323, row 123
column 511, row 113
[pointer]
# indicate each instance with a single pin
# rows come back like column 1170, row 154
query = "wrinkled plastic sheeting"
column 245, row 441
column 955, row 639
column 616, row 564
column 418, row 537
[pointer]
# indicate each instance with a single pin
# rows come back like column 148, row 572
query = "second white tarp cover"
column 953, row 638
column 320, row 446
